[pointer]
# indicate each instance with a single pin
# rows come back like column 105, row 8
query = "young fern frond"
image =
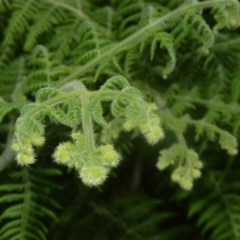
column 184, row 160
column 77, row 108
column 166, row 41
column 197, row 24
column 188, row 166
column 227, row 16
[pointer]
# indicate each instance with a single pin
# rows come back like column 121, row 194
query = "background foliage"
column 158, row 80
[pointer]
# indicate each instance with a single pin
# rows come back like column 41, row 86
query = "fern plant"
column 26, row 197
column 84, row 82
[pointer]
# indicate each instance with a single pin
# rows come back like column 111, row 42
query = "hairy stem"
column 87, row 122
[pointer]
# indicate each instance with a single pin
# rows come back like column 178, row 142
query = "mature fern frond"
column 44, row 21
column 5, row 108
column 235, row 92
column 130, row 13
column 66, row 39
column 46, row 70
column 11, row 79
column 136, row 216
column 91, row 43
column 220, row 200
column 5, row 4
column 17, row 26
column 216, row 109
column 28, row 204
column 105, row 17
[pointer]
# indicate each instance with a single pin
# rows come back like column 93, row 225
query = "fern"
column 25, row 198
column 49, row 17
column 11, row 78
column 131, row 217
column 18, row 24
column 46, row 70
column 225, row 224
column 81, row 104
column 5, row 108
column 83, row 83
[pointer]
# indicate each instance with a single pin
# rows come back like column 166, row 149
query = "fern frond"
column 78, row 108
column 216, row 108
column 44, row 21
column 115, row 83
column 220, row 201
column 187, row 161
column 68, row 113
column 235, row 88
column 17, row 26
column 130, row 62
column 181, row 103
column 5, row 4
column 197, row 24
column 165, row 41
column 92, row 43
column 11, row 79
column 134, row 216
column 97, row 113
column 226, row 139
column 46, row 70
column 66, row 38
column 28, row 204
column 104, row 16
column 130, row 13
column 5, row 108
column 137, row 37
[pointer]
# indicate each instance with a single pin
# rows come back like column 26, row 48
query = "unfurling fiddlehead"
column 78, row 109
